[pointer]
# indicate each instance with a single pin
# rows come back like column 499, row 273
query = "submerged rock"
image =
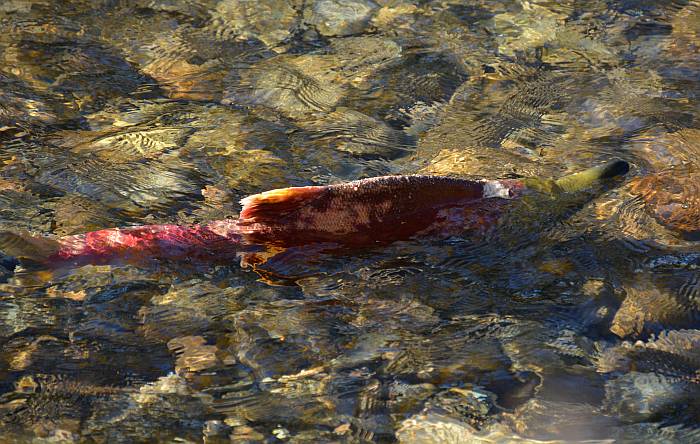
column 658, row 432
column 509, row 133
column 75, row 214
column 227, row 145
column 295, row 86
column 671, row 191
column 645, row 396
column 540, row 419
column 405, row 398
column 189, row 309
column 683, row 42
column 434, row 428
column 339, row 17
column 130, row 186
column 406, row 90
column 273, row 349
column 186, row 59
column 48, row 403
column 271, row 21
column 301, row 398
column 23, row 210
column 648, row 308
column 302, row 86
column 549, row 28
column 658, row 377
column 250, row 170
column 120, row 145
column 674, row 353
column 474, row 405
column 20, row 106
column 358, row 134
column 395, row 15
column 83, row 74
column 160, row 405
column 193, row 355
column 673, row 197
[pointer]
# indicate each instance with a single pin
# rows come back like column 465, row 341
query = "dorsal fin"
column 23, row 245
column 271, row 205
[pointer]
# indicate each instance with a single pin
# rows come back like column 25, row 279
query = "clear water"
column 581, row 326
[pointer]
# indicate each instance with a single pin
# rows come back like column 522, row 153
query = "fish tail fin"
column 268, row 207
column 23, row 245
column 587, row 178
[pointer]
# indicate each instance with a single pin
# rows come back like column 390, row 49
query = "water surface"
column 570, row 326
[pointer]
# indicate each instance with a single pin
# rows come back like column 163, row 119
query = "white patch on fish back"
column 494, row 188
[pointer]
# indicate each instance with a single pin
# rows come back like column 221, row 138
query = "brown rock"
column 193, row 354
column 672, row 191
column 673, row 198
column 184, row 80
column 647, row 308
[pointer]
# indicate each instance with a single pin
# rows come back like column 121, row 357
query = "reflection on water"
column 585, row 327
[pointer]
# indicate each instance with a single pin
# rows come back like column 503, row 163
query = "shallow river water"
column 565, row 326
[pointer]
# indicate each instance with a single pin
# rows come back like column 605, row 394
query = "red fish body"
column 217, row 241
column 356, row 214
column 373, row 211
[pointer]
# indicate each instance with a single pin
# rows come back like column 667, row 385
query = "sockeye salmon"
column 363, row 213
